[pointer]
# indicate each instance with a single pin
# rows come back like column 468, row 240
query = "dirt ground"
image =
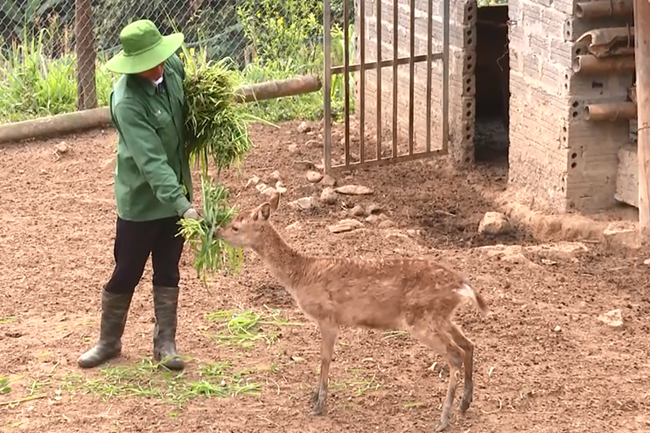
column 544, row 362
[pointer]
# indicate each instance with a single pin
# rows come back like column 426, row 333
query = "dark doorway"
column 492, row 85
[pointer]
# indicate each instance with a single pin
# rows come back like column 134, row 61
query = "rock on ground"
column 494, row 223
column 305, row 203
column 354, row 190
column 328, row 180
column 613, row 319
column 357, row 210
column 328, row 196
column 345, row 225
column 314, row 176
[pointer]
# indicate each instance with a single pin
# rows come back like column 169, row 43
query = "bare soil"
column 544, row 362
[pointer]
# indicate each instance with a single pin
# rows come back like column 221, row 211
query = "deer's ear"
column 264, row 211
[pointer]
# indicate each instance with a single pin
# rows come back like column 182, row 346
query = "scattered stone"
column 293, row 149
column 621, row 234
column 494, row 223
column 646, row 262
column 414, row 233
column 557, row 329
column 373, row 208
column 328, row 180
column 354, row 190
column 314, row 176
column 559, row 251
column 512, row 253
column 252, row 181
column 279, row 187
column 303, row 127
column 328, row 196
column 305, row 203
column 275, row 176
column 386, row 224
column 261, row 187
column 382, row 217
column 613, row 319
column 294, row 226
column 61, row 148
column 345, row 225
column 372, row 219
column 358, row 211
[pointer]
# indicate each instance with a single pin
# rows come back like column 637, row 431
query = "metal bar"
column 379, row 46
column 346, row 79
column 429, row 53
column 362, row 83
column 385, row 63
column 386, row 161
column 411, row 73
column 327, row 85
column 445, row 75
column 379, row 80
column 395, row 71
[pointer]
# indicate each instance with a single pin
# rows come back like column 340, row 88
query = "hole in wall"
column 492, row 81
column 575, row 104
column 574, row 155
column 574, row 165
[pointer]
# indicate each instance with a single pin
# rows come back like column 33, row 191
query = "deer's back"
column 384, row 293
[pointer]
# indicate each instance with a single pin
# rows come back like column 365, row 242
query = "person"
column 153, row 188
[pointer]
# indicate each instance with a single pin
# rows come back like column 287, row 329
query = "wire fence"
column 53, row 52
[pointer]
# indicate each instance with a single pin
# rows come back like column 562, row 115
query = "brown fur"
column 416, row 295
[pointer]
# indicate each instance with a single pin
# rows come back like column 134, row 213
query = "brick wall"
column 558, row 159
column 461, row 81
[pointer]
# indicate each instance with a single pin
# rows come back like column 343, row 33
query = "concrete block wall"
column 461, row 81
column 558, row 160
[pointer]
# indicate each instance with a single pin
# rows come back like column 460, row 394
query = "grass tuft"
column 246, row 328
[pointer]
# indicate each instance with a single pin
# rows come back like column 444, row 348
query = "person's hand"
column 191, row 214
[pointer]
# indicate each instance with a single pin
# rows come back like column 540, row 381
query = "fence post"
column 85, row 53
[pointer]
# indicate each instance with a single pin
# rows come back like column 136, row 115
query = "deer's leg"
column 438, row 338
column 329, row 334
column 454, row 356
column 468, row 349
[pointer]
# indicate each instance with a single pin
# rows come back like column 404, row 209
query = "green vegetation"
column 246, row 328
column 38, row 64
column 147, row 379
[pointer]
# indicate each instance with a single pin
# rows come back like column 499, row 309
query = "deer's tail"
column 468, row 291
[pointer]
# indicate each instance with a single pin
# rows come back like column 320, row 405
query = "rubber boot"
column 115, row 308
column 164, row 334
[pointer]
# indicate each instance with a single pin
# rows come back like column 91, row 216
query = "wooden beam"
column 642, row 55
column 606, row 8
column 611, row 111
column 590, row 64
column 278, row 89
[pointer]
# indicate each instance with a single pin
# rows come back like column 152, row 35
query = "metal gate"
column 362, row 66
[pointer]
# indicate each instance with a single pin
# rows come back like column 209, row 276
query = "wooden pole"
column 611, row 111
column 85, row 50
column 642, row 56
column 589, row 64
column 279, row 89
column 606, row 8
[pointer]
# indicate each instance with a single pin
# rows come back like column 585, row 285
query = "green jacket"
column 152, row 173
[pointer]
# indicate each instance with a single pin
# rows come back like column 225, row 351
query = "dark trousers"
column 134, row 242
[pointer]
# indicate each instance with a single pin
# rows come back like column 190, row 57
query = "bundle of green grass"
column 217, row 123
column 219, row 129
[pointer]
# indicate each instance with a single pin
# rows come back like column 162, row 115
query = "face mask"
column 159, row 80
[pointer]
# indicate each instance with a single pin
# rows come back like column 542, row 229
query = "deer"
column 409, row 294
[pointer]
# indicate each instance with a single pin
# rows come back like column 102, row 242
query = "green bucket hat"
column 143, row 48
